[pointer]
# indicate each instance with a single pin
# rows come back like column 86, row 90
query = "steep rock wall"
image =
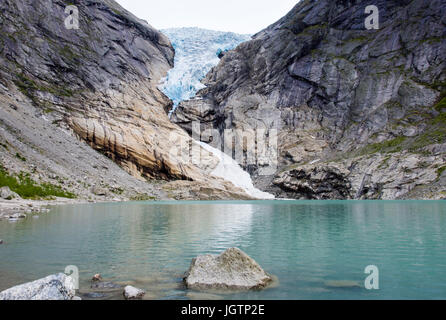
column 336, row 91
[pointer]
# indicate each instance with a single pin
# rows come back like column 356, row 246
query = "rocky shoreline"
column 232, row 270
column 20, row 208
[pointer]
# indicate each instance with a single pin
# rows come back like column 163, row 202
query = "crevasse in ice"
column 196, row 52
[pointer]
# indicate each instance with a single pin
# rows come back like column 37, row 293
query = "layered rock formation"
column 98, row 82
column 360, row 114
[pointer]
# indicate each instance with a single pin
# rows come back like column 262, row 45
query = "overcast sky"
column 240, row 16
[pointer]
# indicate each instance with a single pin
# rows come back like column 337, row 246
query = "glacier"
column 196, row 52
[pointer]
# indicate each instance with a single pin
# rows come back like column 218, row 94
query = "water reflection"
column 305, row 244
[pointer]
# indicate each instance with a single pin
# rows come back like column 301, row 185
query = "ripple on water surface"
column 308, row 246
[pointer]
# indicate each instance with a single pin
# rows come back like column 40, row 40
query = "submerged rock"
column 104, row 285
column 53, row 287
column 342, row 284
column 17, row 216
column 133, row 293
column 233, row 269
column 94, row 295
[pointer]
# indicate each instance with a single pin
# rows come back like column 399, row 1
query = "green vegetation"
column 358, row 39
column 4, row 146
column 25, row 187
column 439, row 86
column 423, row 164
column 142, row 197
column 19, row 156
column 389, row 146
column 28, row 87
column 440, row 171
column 116, row 11
column 384, row 163
column 432, row 40
column 314, row 29
column 66, row 52
column 435, row 133
column 441, row 106
column 118, row 190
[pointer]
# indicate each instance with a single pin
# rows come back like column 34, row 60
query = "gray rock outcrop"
column 53, row 287
column 335, row 91
column 233, row 270
column 7, row 194
column 316, row 182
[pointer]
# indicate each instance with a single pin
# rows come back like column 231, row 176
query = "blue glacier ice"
column 196, row 52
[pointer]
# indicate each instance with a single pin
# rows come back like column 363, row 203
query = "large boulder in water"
column 233, row 269
column 53, row 287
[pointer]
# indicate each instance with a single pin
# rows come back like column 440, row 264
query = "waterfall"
column 230, row 170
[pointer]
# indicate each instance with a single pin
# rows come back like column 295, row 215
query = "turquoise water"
column 307, row 245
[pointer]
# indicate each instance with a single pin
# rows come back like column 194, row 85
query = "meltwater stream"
column 316, row 249
column 229, row 169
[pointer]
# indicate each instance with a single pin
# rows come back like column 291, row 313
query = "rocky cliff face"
column 360, row 113
column 99, row 83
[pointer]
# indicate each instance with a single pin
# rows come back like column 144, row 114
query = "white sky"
column 240, row 16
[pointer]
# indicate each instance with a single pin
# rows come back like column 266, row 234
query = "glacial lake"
column 316, row 249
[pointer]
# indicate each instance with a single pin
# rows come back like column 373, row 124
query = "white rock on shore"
column 7, row 194
column 53, row 287
column 233, row 269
